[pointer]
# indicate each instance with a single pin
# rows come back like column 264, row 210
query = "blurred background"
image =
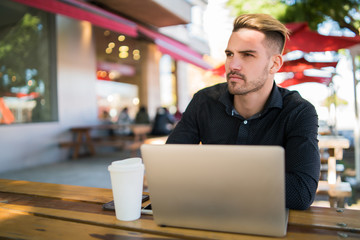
column 80, row 63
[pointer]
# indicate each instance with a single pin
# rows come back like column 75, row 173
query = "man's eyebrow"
column 247, row 51
column 242, row 51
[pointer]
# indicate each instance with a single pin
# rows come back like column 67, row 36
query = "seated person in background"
column 251, row 109
column 142, row 116
column 177, row 115
column 124, row 121
column 163, row 122
column 106, row 119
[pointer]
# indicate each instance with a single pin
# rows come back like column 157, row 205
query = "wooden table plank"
column 330, row 218
column 20, row 225
column 69, row 192
column 54, row 203
column 84, row 205
column 149, row 226
column 329, row 141
column 324, row 217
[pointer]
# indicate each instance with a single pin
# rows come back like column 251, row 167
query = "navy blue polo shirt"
column 287, row 120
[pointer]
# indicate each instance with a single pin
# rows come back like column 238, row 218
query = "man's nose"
column 234, row 64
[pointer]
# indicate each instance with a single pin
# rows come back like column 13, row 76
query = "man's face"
column 247, row 62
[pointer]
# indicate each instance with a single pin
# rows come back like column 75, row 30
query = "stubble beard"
column 247, row 87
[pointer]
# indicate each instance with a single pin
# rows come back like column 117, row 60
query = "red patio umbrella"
column 219, row 70
column 301, row 78
column 306, row 40
column 302, row 64
column 298, row 65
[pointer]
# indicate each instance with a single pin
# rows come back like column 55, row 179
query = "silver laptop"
column 229, row 188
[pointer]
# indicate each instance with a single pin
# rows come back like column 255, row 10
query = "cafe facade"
column 65, row 68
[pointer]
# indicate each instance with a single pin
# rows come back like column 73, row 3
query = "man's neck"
column 252, row 103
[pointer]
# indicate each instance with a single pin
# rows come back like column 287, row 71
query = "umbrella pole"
column 357, row 125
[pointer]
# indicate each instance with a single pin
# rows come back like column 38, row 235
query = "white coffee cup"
column 127, row 185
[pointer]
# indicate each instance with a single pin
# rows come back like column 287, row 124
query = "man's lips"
column 235, row 77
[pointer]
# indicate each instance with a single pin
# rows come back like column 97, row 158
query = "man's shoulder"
column 294, row 99
column 214, row 91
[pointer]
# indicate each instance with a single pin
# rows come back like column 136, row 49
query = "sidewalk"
column 85, row 171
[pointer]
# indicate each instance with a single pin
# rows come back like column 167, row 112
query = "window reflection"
column 25, row 61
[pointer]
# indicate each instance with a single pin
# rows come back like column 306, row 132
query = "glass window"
column 119, row 72
column 27, row 65
column 167, row 81
column 112, row 97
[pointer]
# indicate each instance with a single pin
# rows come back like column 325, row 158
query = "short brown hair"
column 275, row 32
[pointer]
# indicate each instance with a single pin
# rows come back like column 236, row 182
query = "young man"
column 251, row 109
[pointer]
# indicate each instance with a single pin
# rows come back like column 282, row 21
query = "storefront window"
column 167, row 81
column 118, row 59
column 112, row 97
column 27, row 65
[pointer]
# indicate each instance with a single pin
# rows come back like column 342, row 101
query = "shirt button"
column 245, row 122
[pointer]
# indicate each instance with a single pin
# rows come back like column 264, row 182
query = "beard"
column 246, row 87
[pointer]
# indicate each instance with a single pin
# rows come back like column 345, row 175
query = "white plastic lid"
column 126, row 165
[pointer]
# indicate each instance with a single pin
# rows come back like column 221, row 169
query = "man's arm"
column 187, row 131
column 302, row 159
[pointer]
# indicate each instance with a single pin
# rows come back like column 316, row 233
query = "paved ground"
column 88, row 171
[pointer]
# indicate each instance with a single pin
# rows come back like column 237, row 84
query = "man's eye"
column 229, row 54
column 248, row 55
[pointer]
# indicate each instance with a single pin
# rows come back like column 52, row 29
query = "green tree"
column 344, row 12
column 18, row 52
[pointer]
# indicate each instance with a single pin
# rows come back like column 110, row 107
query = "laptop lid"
column 227, row 188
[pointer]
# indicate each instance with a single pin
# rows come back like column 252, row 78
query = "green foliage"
column 272, row 7
column 17, row 50
column 345, row 12
column 333, row 99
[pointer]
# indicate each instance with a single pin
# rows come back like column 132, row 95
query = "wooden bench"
column 331, row 150
column 337, row 192
column 82, row 139
column 324, row 169
column 131, row 143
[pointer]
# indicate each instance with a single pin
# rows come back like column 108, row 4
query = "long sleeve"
column 186, row 131
column 302, row 159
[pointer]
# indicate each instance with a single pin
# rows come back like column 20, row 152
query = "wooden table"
column 31, row 210
column 334, row 146
column 132, row 142
column 82, row 138
column 337, row 192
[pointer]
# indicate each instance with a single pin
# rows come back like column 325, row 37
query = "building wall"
column 76, row 73
column 151, row 80
column 25, row 145
column 183, row 93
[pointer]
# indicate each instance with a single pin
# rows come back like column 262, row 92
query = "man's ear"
column 277, row 62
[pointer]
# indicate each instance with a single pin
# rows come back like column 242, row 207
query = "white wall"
column 25, row 145
column 76, row 73
column 183, row 94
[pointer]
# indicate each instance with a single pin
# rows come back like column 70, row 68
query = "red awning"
column 99, row 17
column 219, row 70
column 83, row 11
column 301, row 78
column 175, row 49
column 302, row 64
column 306, row 40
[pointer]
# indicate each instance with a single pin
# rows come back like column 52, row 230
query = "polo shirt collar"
column 275, row 100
